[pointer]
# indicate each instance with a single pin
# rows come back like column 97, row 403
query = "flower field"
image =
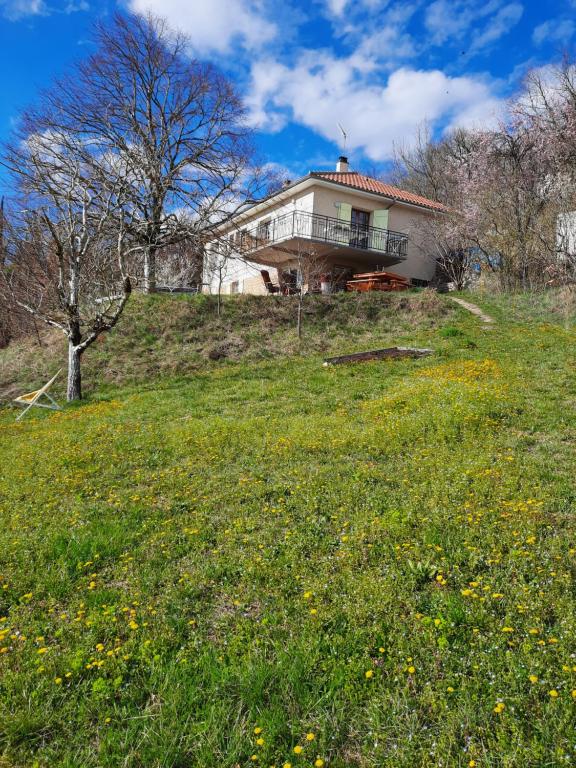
column 273, row 563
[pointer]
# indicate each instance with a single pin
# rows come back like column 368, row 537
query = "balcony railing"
column 324, row 229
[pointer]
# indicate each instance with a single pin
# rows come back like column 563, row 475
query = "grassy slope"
column 161, row 336
column 238, row 549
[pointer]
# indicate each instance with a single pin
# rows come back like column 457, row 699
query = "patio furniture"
column 287, row 281
column 32, row 399
column 270, row 286
column 377, row 281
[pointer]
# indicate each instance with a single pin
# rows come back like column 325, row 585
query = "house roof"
column 356, row 180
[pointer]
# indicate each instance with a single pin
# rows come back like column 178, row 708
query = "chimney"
column 342, row 164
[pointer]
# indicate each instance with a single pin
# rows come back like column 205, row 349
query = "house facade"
column 319, row 231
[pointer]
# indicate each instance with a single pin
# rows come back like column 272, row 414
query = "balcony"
column 284, row 233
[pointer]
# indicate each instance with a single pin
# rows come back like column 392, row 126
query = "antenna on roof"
column 344, row 136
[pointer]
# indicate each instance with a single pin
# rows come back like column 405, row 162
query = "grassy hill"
column 260, row 561
column 169, row 336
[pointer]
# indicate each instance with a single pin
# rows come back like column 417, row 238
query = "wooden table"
column 377, row 281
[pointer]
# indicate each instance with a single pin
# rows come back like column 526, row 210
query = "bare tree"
column 67, row 248
column 180, row 266
column 144, row 111
column 218, row 259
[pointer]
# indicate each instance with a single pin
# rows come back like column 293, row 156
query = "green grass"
column 237, row 548
column 167, row 337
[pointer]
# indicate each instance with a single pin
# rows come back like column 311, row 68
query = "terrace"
column 285, row 234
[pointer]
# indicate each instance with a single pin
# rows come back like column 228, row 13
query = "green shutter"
column 344, row 212
column 380, row 218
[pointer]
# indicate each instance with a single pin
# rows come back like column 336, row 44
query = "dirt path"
column 474, row 309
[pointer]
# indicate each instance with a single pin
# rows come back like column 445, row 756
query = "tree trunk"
column 299, row 316
column 150, row 270
column 74, row 390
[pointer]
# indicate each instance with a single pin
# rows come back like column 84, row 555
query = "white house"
column 345, row 221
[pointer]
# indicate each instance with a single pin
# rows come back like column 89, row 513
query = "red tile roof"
column 367, row 184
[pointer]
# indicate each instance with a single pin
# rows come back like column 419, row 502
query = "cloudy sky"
column 379, row 68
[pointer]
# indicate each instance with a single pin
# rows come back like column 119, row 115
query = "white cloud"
column 320, row 91
column 76, row 5
column 14, row 10
column 458, row 19
column 554, row 31
column 18, row 9
column 213, row 25
column 336, row 7
column 499, row 25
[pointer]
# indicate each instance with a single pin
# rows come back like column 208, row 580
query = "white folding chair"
column 32, row 398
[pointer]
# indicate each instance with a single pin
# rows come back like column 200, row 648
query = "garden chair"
column 270, row 287
column 33, row 398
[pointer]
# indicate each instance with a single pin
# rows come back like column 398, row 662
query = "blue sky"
column 380, row 68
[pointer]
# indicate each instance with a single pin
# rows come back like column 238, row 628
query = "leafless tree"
column 68, row 245
column 142, row 110
column 218, row 260
column 312, row 270
column 180, row 265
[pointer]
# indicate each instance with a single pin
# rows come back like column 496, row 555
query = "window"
column 235, row 286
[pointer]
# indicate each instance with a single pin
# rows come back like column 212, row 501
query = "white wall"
column 247, row 275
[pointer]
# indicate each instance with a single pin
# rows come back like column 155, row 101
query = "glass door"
column 359, row 223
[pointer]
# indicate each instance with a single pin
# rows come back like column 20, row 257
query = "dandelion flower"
column 368, row 674
column 319, row 763
column 58, row 680
column 260, row 741
column 499, row 708
column 257, row 730
column 310, row 736
column 411, row 670
column 553, row 694
column 298, row 749
column 533, row 678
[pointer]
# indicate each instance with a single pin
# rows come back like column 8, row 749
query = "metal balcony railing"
column 313, row 226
